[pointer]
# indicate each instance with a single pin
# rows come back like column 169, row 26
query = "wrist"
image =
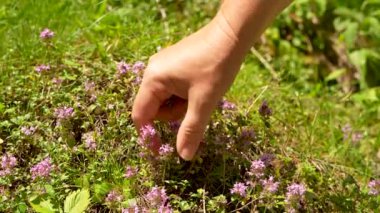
column 219, row 35
column 247, row 19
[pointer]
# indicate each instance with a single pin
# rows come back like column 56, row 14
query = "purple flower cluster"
column 57, row 81
column 165, row 209
column 267, row 158
column 46, row 34
column 147, row 134
column 248, row 133
column 89, row 86
column 157, row 197
column 64, row 112
column 257, row 168
column 89, row 140
column 123, row 67
column 165, row 150
column 265, row 110
column 374, row 187
column 114, row 196
column 174, row 126
column 138, row 67
column 356, row 137
column 42, row 169
column 270, row 185
column 28, row 130
column 137, row 80
column 8, row 161
column 130, row 172
column 239, row 189
column 295, row 193
column 226, row 105
column 42, row 68
column 347, row 131
column 132, row 209
column 136, row 209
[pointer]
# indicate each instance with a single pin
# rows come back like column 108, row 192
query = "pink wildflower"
column 42, row 68
column 57, row 81
column 374, row 187
column 270, row 185
column 130, row 172
column 132, row 209
column 8, row 161
column 165, row 209
column 114, row 196
column 89, row 140
column 137, row 80
column 226, row 105
column 239, row 189
column 64, row 112
column 356, row 137
column 165, row 150
column 257, row 168
column 46, row 34
column 147, row 133
column 346, row 130
column 28, row 130
column 157, row 196
column 42, row 169
column 89, row 86
column 295, row 193
column 123, row 67
column 138, row 67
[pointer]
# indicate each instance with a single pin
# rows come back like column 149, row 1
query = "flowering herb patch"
column 68, row 143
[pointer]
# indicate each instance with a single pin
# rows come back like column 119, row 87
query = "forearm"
column 245, row 20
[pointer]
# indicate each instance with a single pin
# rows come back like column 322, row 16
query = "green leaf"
column 100, row 191
column 2, row 108
column 349, row 14
column 335, row 74
column 83, row 181
column 44, row 206
column 22, row 207
column 368, row 95
column 358, row 58
column 370, row 3
column 49, row 190
column 71, row 63
column 77, row 202
column 350, row 34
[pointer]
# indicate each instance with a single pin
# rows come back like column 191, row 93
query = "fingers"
column 145, row 107
column 147, row 103
column 193, row 126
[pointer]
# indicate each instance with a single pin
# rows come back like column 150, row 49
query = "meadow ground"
column 294, row 135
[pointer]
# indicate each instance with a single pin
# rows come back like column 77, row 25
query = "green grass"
column 91, row 36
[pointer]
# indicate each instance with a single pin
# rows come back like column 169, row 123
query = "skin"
column 189, row 78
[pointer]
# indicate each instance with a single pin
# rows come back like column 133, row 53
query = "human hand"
column 193, row 75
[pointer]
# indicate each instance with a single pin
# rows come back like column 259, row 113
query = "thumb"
column 193, row 126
